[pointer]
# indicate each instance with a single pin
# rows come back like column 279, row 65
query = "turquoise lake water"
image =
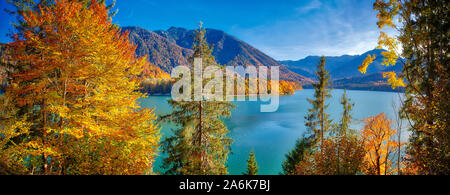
column 272, row 135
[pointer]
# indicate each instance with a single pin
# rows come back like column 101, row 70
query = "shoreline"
column 253, row 95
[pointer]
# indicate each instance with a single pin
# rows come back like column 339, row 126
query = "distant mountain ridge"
column 228, row 50
column 340, row 66
column 172, row 47
column 344, row 71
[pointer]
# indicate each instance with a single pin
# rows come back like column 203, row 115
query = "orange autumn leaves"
column 379, row 146
column 73, row 96
column 285, row 87
column 289, row 87
column 337, row 155
column 369, row 153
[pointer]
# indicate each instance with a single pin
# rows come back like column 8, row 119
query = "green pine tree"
column 317, row 120
column 200, row 146
column 252, row 165
column 346, row 119
column 350, row 149
column 294, row 157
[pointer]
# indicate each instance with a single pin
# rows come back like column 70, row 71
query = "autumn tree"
column 379, row 145
column 317, row 120
column 338, row 155
column 22, row 6
column 422, row 29
column 306, row 166
column 252, row 165
column 70, row 106
column 343, row 151
column 200, row 145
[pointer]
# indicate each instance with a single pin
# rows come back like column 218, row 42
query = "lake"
column 272, row 135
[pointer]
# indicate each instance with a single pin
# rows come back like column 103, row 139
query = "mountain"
column 228, row 50
column 160, row 51
column 172, row 47
column 344, row 71
column 340, row 66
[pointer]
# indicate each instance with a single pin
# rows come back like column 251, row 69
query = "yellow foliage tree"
column 379, row 145
column 71, row 104
column 385, row 18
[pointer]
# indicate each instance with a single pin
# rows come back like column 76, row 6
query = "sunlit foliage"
column 252, row 165
column 70, row 106
column 379, row 145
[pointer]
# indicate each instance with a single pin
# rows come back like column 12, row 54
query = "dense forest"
column 72, row 81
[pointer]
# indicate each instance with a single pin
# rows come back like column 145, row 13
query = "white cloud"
column 315, row 4
column 331, row 30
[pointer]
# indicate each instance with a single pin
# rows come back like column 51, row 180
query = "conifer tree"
column 341, row 153
column 317, row 120
column 200, row 146
column 346, row 119
column 297, row 155
column 252, row 165
column 299, row 161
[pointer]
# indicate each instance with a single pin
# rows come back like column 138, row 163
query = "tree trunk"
column 44, row 134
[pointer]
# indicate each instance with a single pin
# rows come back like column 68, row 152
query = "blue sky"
column 285, row 30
